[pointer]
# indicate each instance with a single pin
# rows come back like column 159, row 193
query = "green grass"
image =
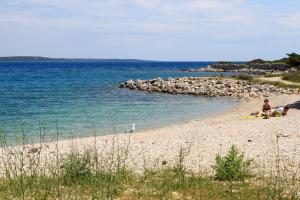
column 265, row 82
column 270, row 75
column 243, row 77
column 168, row 183
column 156, row 184
column 293, row 77
column 276, row 83
column 92, row 174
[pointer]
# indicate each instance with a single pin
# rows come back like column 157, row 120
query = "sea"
column 74, row 99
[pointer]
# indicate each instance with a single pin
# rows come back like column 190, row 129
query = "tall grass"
column 36, row 171
column 292, row 76
column 244, row 77
column 265, row 82
column 277, row 84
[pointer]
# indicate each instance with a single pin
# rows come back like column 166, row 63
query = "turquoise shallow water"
column 80, row 97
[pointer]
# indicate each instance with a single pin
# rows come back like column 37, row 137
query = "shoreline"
column 203, row 138
column 35, row 139
column 235, row 104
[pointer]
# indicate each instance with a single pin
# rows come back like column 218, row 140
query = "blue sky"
column 187, row 30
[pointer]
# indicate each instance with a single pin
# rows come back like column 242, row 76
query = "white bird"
column 132, row 129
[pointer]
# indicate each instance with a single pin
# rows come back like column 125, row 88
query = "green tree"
column 293, row 60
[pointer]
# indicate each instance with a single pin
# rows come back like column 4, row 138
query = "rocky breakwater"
column 207, row 86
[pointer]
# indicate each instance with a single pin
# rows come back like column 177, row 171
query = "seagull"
column 132, row 129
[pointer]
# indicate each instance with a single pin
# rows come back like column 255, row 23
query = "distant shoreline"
column 47, row 59
column 40, row 58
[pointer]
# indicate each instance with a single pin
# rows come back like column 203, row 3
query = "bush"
column 233, row 166
column 278, row 84
column 292, row 76
column 293, row 60
column 76, row 167
column 243, row 77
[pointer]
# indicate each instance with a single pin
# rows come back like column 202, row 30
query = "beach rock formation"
column 207, row 86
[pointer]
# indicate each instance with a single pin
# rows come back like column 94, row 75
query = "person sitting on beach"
column 266, row 110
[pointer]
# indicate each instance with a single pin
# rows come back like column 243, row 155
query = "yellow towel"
column 251, row 117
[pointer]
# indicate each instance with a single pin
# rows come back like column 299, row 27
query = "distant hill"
column 39, row 58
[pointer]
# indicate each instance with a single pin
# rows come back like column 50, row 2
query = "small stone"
column 176, row 195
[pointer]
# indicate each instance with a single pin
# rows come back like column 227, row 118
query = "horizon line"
column 45, row 58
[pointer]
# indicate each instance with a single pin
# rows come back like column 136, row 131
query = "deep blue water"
column 80, row 97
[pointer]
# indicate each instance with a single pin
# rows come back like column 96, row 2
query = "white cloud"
column 137, row 16
column 142, row 15
column 192, row 20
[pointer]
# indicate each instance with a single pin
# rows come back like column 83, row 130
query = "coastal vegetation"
column 245, row 77
column 292, row 60
column 90, row 174
column 257, row 67
column 292, row 76
column 286, row 69
column 284, row 80
column 232, row 167
column 261, row 61
column 279, row 83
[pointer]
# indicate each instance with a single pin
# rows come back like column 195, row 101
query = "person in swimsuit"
column 266, row 110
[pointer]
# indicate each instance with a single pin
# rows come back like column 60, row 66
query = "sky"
column 170, row 30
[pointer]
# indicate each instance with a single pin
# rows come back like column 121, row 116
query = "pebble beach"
column 203, row 139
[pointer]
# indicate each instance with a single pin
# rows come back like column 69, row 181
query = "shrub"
column 270, row 75
column 233, row 166
column 292, row 76
column 76, row 167
column 293, row 60
column 243, row 77
column 277, row 84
